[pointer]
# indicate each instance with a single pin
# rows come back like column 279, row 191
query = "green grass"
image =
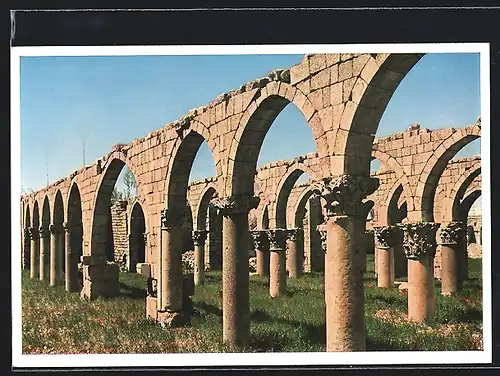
column 57, row 322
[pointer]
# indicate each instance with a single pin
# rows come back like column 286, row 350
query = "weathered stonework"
column 450, row 233
column 388, row 236
column 419, row 239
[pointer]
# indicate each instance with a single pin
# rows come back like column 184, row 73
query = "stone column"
column 26, row 248
column 235, row 294
column 34, row 252
column 295, row 255
column 71, row 266
column 170, row 263
column 344, row 291
column 44, row 253
column 449, row 238
column 420, row 248
column 385, row 257
column 55, row 254
column 199, row 237
column 261, row 247
column 277, row 260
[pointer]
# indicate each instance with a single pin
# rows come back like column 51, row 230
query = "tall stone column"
column 295, row 254
column 344, row 291
column 34, row 252
column 44, row 253
column 199, row 237
column 449, row 238
column 277, row 269
column 71, row 266
column 55, row 254
column 170, row 295
column 235, row 294
column 420, row 246
column 386, row 238
column 261, row 247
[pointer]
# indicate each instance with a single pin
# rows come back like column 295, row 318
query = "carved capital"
column 450, row 233
column 199, row 237
column 171, row 218
column 294, row 234
column 34, row 233
column 419, row 239
column 322, row 235
column 55, row 229
column 44, row 231
column 344, row 194
column 259, row 240
column 388, row 236
column 277, row 238
column 235, row 204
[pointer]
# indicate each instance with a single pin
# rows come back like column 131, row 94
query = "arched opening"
column 470, row 213
column 109, row 225
column 27, row 239
column 74, row 251
column 45, row 240
column 265, row 218
column 58, row 219
column 397, row 209
column 207, row 219
column 137, row 241
column 35, row 251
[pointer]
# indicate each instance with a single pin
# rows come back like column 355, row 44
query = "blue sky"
column 116, row 99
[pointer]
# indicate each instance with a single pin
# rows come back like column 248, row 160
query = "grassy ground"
column 57, row 322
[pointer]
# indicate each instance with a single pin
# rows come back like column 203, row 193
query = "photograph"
column 228, row 203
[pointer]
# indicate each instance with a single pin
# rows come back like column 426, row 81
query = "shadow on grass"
column 132, row 292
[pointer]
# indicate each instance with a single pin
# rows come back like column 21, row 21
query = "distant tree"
column 129, row 181
column 116, row 195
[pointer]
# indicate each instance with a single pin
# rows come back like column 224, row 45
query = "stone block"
column 144, row 269
column 345, row 70
column 151, row 308
column 317, row 63
column 299, row 72
column 320, row 80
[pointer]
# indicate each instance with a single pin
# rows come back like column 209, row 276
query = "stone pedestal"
column 100, row 278
column 449, row 238
column 277, row 270
column 199, row 237
column 55, row 254
column 344, row 291
column 34, row 252
column 295, row 256
column 44, row 253
column 420, row 247
column 261, row 247
column 235, row 294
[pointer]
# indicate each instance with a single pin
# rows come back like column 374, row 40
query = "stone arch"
column 180, row 163
column 453, row 200
column 36, row 216
column 253, row 127
column 58, row 209
column 137, row 233
column 435, row 166
column 371, row 93
column 46, row 212
column 466, row 204
column 284, row 189
column 393, row 164
column 208, row 194
column 300, row 208
column 74, row 219
column 100, row 216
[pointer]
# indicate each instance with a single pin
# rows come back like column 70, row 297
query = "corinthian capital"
column 450, row 233
column 44, row 231
column 34, row 233
column 294, row 234
column 388, row 236
column 419, row 239
column 259, row 240
column 199, row 237
column 277, row 238
column 344, row 194
column 235, row 204
column 171, row 218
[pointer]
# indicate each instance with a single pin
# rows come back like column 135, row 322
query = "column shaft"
column 171, row 270
column 451, row 282
column 277, row 272
column 199, row 264
column 262, row 262
column 421, row 299
column 293, row 261
column 34, row 256
column 385, row 276
column 71, row 275
column 235, row 295
column 54, row 258
column 44, row 257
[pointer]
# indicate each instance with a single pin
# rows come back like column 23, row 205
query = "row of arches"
column 343, row 131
